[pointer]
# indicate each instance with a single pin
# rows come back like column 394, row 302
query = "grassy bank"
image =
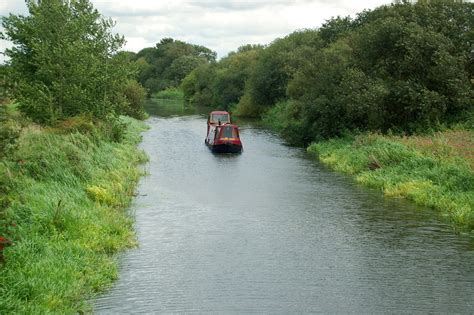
column 434, row 171
column 66, row 190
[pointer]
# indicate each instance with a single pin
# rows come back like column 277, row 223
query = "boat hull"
column 226, row 148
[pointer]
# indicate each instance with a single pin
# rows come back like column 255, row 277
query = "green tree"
column 313, row 87
column 275, row 66
column 232, row 73
column 405, row 67
column 197, row 86
column 335, row 28
column 64, row 61
column 135, row 95
column 425, row 74
column 166, row 64
column 221, row 84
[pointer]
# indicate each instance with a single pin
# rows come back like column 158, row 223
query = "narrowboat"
column 224, row 138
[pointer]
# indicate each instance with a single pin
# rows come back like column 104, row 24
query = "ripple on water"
column 271, row 231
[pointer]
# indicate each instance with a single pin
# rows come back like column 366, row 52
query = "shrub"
column 135, row 95
column 9, row 132
column 170, row 93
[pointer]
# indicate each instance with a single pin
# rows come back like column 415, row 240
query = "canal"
column 273, row 231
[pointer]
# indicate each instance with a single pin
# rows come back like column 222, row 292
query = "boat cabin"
column 217, row 117
column 224, row 138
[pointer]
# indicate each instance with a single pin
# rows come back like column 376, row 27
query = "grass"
column 434, row 171
column 170, row 94
column 67, row 195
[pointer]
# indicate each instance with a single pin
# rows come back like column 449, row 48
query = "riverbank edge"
column 433, row 174
column 67, row 218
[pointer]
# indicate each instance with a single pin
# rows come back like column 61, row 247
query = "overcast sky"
column 220, row 25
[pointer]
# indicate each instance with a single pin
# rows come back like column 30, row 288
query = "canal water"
column 273, row 231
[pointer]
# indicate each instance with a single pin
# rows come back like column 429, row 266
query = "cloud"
column 12, row 6
column 243, row 5
column 221, row 25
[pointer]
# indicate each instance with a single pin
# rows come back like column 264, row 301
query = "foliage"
column 9, row 132
column 425, row 76
column 434, row 176
column 403, row 67
column 221, row 85
column 393, row 68
column 166, row 64
column 313, row 87
column 135, row 94
column 67, row 188
column 231, row 75
column 283, row 118
column 267, row 83
column 64, row 61
column 3, row 84
column 336, row 28
column 197, row 85
column 170, row 94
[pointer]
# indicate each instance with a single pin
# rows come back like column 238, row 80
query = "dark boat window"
column 220, row 117
column 229, row 132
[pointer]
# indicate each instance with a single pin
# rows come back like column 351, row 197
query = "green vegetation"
column 9, row 130
column 221, row 85
column 170, row 94
column 65, row 62
column 68, row 159
column 68, row 162
column 401, row 67
column 432, row 171
column 65, row 191
column 166, row 64
column 135, row 95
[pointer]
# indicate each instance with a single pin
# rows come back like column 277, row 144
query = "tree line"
column 400, row 67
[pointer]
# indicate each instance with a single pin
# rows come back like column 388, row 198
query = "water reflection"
column 273, row 231
column 170, row 107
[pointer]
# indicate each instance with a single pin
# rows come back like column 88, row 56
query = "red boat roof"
column 218, row 112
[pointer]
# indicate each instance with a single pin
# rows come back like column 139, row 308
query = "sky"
column 220, row 25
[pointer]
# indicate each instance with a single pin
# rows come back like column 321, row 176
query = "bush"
column 246, row 108
column 9, row 132
column 283, row 118
column 135, row 95
column 114, row 129
column 171, row 93
column 83, row 124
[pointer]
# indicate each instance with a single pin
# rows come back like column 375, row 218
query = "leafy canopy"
column 64, row 61
column 402, row 67
column 166, row 64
